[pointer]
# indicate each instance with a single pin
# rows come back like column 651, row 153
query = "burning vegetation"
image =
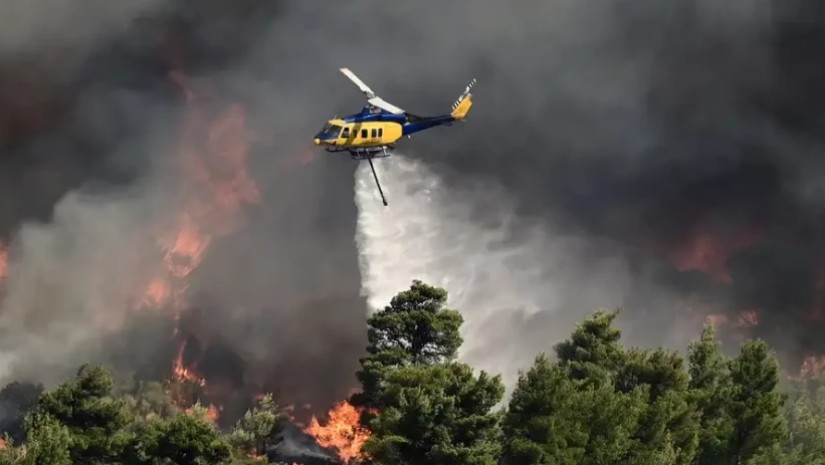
column 427, row 408
column 418, row 404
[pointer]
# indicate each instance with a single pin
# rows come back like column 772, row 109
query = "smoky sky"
column 89, row 128
column 638, row 124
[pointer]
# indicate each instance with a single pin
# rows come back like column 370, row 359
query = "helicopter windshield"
column 330, row 131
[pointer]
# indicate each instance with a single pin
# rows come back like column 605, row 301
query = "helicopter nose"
column 317, row 141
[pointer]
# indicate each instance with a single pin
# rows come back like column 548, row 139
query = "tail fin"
column 462, row 106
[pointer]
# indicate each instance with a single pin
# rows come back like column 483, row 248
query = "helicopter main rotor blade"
column 385, row 105
column 373, row 99
column 358, row 82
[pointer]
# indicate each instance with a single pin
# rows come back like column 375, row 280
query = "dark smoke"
column 88, row 126
column 640, row 125
column 649, row 124
column 632, row 126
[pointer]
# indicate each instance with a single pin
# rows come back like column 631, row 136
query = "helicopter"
column 375, row 131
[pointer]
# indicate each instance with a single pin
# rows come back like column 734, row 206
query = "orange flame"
column 158, row 293
column 749, row 318
column 812, row 368
column 709, row 253
column 716, row 320
column 212, row 412
column 184, row 373
column 342, row 432
column 212, row 153
column 187, row 251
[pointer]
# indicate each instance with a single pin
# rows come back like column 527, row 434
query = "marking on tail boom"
column 465, row 94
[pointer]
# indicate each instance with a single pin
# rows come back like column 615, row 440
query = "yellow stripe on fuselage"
column 367, row 134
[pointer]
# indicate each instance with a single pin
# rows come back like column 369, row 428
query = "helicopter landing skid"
column 365, row 153
column 368, row 153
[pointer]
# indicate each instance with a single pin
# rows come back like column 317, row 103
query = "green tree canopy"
column 602, row 403
column 756, row 404
column 414, row 329
column 593, row 352
column 258, row 428
column 437, row 414
column 184, row 439
column 95, row 421
column 711, row 393
column 48, row 442
column 425, row 407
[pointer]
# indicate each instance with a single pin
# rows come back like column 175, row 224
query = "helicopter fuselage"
column 374, row 127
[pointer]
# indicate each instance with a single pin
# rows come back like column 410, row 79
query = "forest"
column 588, row 400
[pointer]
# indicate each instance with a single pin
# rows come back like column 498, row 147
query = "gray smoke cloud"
column 95, row 187
column 607, row 134
column 637, row 128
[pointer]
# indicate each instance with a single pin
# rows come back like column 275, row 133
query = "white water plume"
column 512, row 279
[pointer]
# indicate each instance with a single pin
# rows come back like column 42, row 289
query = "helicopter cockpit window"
column 345, row 133
column 331, row 130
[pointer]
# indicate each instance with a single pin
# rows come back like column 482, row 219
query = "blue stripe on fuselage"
column 425, row 123
column 367, row 115
column 416, row 124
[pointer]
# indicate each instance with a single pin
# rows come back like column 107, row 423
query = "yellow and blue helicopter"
column 374, row 132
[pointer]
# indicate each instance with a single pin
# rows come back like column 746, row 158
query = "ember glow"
column 709, row 253
column 749, row 318
column 214, row 186
column 716, row 320
column 342, row 431
column 181, row 372
column 813, row 367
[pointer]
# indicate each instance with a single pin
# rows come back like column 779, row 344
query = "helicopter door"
column 345, row 133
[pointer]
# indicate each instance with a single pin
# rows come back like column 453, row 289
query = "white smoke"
column 73, row 280
column 511, row 280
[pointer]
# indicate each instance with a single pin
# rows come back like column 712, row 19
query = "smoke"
column 676, row 140
column 607, row 140
column 97, row 182
column 512, row 277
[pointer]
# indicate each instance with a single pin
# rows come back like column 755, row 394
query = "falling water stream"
column 509, row 277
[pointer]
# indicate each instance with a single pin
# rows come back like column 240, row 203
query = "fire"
column 215, row 184
column 342, row 431
column 709, row 253
column 182, row 372
column 716, row 320
column 157, row 293
column 749, row 318
column 812, row 368
column 187, row 250
column 212, row 413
